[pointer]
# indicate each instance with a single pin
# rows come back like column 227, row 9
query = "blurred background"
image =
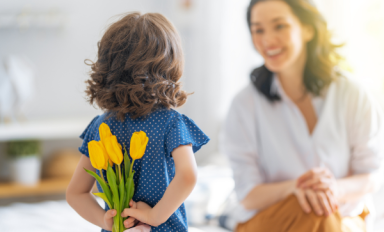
column 43, row 45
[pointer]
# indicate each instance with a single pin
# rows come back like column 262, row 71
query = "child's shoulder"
column 164, row 115
column 172, row 116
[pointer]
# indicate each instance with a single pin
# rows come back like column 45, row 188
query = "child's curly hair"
column 139, row 64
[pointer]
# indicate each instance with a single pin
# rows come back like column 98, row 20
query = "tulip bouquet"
column 107, row 153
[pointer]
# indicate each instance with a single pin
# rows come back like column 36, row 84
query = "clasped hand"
column 317, row 190
column 138, row 212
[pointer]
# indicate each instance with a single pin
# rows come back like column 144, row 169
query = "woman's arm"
column 80, row 198
column 176, row 193
column 356, row 186
column 265, row 195
column 344, row 189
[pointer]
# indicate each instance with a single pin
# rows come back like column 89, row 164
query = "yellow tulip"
column 104, row 131
column 138, row 145
column 115, row 155
column 98, row 155
column 114, row 149
column 139, row 141
column 110, row 161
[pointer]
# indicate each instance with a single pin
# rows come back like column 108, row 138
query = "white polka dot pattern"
column 166, row 130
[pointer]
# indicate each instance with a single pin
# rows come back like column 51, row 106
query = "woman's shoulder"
column 245, row 99
column 244, row 106
column 245, row 95
column 348, row 83
column 351, row 93
column 349, row 87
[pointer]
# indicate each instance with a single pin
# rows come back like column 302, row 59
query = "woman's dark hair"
column 139, row 64
column 322, row 57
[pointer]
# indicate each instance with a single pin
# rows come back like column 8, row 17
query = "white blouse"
column 270, row 142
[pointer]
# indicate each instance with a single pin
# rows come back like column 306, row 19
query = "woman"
column 303, row 141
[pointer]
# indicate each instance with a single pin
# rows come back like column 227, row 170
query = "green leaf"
column 102, row 196
column 130, row 189
column 116, row 219
column 127, row 189
column 111, row 176
column 122, row 193
column 122, row 227
column 19, row 148
column 122, row 172
column 103, row 185
column 133, row 173
column 127, row 163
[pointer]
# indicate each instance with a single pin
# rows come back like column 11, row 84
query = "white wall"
column 218, row 53
column 360, row 26
column 59, row 53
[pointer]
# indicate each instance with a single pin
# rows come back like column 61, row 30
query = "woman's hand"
column 108, row 219
column 321, row 202
column 319, row 187
column 139, row 211
column 319, row 179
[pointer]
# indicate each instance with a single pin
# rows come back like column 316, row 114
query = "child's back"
column 166, row 130
column 135, row 81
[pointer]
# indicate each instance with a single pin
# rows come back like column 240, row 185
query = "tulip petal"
column 97, row 154
column 139, row 141
column 113, row 149
column 104, row 131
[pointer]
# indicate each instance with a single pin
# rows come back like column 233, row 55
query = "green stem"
column 130, row 170
column 119, row 172
column 102, row 176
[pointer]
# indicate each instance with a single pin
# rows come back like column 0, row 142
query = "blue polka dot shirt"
column 166, row 130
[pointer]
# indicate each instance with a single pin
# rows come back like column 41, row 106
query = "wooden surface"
column 44, row 187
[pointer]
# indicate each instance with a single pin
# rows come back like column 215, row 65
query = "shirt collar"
column 276, row 88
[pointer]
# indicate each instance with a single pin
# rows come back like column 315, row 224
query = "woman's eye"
column 258, row 31
column 280, row 26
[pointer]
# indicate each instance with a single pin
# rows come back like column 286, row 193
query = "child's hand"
column 108, row 219
column 131, row 221
column 139, row 211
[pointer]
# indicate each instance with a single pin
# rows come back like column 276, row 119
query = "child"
column 135, row 82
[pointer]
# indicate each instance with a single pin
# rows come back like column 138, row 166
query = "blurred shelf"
column 44, row 130
column 44, row 187
column 24, row 19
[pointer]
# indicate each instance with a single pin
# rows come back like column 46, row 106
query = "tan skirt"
column 287, row 216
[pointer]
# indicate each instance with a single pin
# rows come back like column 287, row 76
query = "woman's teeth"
column 274, row 52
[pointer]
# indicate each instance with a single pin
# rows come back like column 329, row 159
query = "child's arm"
column 178, row 190
column 80, row 198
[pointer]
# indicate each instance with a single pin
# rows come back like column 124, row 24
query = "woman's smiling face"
column 278, row 35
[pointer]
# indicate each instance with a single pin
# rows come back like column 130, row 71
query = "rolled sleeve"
column 366, row 134
column 238, row 142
